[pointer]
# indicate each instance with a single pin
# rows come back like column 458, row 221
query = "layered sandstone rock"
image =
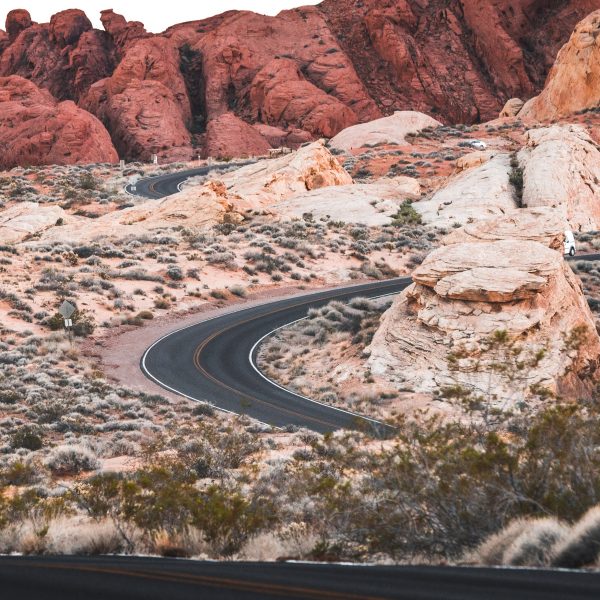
column 464, row 293
column 270, row 181
column 16, row 21
column 388, row 130
column 574, row 81
column 512, row 108
column 371, row 204
column 24, row 219
column 36, row 129
column 228, row 136
column 200, row 207
column 477, row 193
column 562, row 170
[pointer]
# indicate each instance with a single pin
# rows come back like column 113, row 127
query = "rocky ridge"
column 306, row 73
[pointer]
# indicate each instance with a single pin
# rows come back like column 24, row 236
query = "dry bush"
column 581, row 547
column 71, row 460
column 533, row 547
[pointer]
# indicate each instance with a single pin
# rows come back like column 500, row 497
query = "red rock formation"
column 574, row 81
column 145, row 104
column 16, row 21
column 303, row 74
column 64, row 56
column 229, row 136
column 281, row 96
column 35, row 129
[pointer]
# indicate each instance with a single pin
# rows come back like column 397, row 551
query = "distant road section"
column 155, row 188
column 126, row 578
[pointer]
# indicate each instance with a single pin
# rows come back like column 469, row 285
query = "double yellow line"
column 270, row 589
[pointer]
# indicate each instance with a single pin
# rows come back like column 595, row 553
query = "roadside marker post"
column 66, row 310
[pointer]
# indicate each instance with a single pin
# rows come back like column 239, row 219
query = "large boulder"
column 228, row 136
column 270, row 181
column 16, row 21
column 388, row 130
column 25, row 219
column 476, row 193
column 436, row 334
column 35, row 129
column 574, row 82
column 561, row 167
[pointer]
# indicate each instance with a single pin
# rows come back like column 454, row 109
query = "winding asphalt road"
column 214, row 361
column 120, row 578
column 155, row 188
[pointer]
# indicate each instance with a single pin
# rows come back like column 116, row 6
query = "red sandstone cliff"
column 240, row 82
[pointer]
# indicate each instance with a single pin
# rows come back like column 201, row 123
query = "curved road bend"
column 159, row 187
column 129, row 578
column 214, row 360
column 211, row 362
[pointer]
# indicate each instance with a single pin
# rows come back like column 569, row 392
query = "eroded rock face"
column 35, row 129
column 477, row 193
column 465, row 292
column 270, row 181
column 574, row 81
column 512, row 108
column 16, row 21
column 562, row 170
column 306, row 73
column 229, row 136
column 388, row 130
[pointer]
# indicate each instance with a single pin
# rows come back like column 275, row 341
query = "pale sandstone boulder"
column 371, row 204
column 478, row 193
column 473, row 159
column 198, row 207
column 465, row 292
column 544, row 225
column 26, row 219
column 562, row 170
column 574, row 81
column 270, row 181
column 512, row 108
column 389, row 130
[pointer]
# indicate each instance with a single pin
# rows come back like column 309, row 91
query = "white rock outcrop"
column 270, row 181
column 464, row 292
column 476, row 193
column 371, row 204
column 25, row 219
column 388, row 130
column 561, row 167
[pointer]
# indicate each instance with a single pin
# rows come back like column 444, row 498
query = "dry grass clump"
column 581, row 546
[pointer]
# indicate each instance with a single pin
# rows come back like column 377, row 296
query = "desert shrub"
column 71, row 460
column 238, row 290
column 491, row 552
column 581, row 546
column 406, row 215
column 146, row 315
column 175, row 273
column 533, row 547
column 28, row 437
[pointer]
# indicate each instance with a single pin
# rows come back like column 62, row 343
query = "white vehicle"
column 478, row 145
column 569, row 244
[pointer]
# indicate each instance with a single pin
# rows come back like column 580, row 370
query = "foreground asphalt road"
column 123, row 578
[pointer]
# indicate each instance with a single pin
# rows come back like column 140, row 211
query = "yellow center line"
column 206, row 580
column 250, row 398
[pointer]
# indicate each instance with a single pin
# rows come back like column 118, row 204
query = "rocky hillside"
column 239, row 83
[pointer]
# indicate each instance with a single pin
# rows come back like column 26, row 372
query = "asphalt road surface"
column 215, row 360
column 159, row 187
column 124, row 578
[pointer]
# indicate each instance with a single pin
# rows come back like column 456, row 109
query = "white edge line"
column 145, row 370
column 270, row 333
